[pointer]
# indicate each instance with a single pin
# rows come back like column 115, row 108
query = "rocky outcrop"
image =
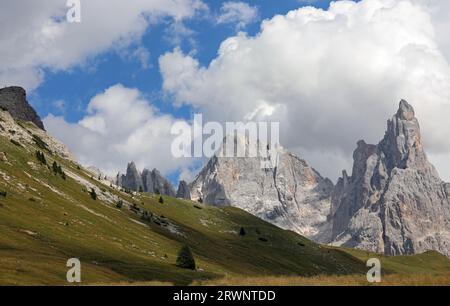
column 26, row 134
column 183, row 191
column 147, row 181
column 154, row 182
column 394, row 202
column 13, row 100
column 291, row 194
column 132, row 179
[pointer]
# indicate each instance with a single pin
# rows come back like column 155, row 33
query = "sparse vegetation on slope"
column 125, row 237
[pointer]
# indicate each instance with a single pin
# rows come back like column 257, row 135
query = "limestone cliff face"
column 13, row 100
column 147, row 181
column 291, row 195
column 394, row 202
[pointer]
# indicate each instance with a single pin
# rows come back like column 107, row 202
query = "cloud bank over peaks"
column 330, row 77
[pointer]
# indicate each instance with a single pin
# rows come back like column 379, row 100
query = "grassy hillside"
column 427, row 269
column 46, row 219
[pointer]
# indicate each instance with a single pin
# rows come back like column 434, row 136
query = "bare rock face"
column 147, row 181
column 13, row 100
column 183, row 191
column 291, row 195
column 132, row 179
column 154, row 182
column 394, row 202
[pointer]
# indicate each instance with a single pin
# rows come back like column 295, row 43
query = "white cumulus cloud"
column 239, row 13
column 330, row 77
column 121, row 126
column 35, row 34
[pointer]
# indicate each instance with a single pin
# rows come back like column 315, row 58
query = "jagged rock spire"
column 132, row 179
column 402, row 143
column 183, row 191
column 147, row 181
column 394, row 202
column 154, row 182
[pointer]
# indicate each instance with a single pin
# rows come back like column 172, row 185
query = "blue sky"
column 76, row 86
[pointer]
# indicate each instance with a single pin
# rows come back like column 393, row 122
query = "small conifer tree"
column 93, row 194
column 185, row 258
column 55, row 167
column 242, row 232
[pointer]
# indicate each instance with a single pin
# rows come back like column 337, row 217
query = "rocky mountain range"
column 394, row 202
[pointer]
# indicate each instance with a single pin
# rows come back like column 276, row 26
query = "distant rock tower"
column 183, row 191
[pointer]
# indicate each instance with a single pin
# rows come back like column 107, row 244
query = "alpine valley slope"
column 47, row 218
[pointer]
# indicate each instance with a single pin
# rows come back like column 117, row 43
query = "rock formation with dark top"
column 14, row 100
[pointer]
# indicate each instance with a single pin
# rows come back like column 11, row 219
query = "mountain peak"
column 14, row 100
column 131, row 166
column 405, row 111
column 392, row 190
column 402, row 142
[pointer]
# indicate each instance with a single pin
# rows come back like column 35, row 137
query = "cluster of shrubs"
column 243, row 232
column 41, row 157
column 57, row 170
column 16, row 143
column 147, row 216
column 40, row 143
column 93, row 194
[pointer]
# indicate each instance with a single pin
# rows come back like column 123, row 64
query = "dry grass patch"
column 326, row 280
